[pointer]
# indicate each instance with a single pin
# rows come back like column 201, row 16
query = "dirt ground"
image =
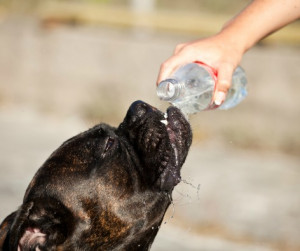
column 240, row 188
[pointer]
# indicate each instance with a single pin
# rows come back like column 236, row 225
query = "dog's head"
column 104, row 189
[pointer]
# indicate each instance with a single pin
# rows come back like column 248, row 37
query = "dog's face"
column 104, row 189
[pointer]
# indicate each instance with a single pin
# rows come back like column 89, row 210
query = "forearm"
column 259, row 19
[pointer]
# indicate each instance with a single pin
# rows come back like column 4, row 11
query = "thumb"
column 223, row 84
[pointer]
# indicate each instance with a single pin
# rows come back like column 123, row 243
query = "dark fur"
column 104, row 189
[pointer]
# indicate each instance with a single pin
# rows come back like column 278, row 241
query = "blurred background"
column 66, row 65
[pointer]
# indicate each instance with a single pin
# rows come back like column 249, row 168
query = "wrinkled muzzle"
column 162, row 141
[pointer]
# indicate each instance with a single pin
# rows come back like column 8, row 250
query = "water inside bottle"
column 192, row 87
column 192, row 101
column 237, row 91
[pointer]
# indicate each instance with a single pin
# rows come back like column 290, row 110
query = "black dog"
column 104, row 189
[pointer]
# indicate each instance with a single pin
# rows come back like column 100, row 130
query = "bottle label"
column 214, row 74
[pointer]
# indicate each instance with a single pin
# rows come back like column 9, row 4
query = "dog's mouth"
column 177, row 128
column 180, row 138
column 162, row 140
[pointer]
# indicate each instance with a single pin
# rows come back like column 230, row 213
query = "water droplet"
column 164, row 121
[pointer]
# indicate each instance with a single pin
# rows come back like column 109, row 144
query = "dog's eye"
column 109, row 143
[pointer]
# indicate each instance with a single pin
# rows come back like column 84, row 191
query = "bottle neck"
column 169, row 89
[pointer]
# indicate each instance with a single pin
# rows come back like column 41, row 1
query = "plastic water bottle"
column 192, row 86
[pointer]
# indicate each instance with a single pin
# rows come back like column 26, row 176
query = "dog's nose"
column 136, row 111
column 139, row 108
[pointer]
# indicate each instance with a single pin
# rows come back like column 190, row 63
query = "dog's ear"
column 5, row 231
column 43, row 224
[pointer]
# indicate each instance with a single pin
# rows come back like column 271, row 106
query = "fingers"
column 224, row 60
column 180, row 57
column 170, row 66
column 178, row 48
column 225, row 72
column 165, row 70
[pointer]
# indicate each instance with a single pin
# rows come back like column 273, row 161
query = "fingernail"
column 219, row 98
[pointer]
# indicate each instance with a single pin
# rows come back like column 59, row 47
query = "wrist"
column 235, row 39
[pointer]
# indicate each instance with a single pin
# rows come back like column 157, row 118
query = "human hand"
column 217, row 51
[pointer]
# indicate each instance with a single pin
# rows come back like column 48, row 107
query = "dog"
column 105, row 189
